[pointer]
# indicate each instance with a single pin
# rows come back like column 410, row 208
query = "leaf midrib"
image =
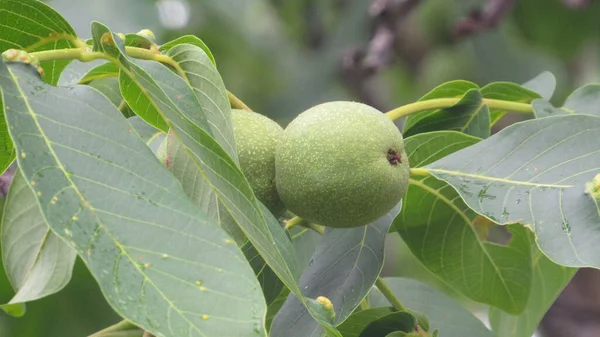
column 488, row 178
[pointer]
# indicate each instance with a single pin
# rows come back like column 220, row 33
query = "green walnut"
column 341, row 164
column 256, row 138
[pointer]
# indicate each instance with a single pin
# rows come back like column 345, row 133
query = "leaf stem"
column 389, row 294
column 316, row 228
column 442, row 103
column 237, row 103
column 81, row 54
column 419, row 172
column 293, row 222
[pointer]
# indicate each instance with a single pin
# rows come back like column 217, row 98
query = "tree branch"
column 362, row 63
column 479, row 21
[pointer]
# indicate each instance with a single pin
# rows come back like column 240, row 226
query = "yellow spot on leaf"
column 33, row 183
column 74, row 218
column 23, row 155
column 202, row 288
column 165, row 256
column 39, row 194
column 205, row 317
column 227, row 241
column 147, row 265
column 198, row 283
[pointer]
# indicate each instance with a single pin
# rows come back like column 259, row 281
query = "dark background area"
column 284, row 56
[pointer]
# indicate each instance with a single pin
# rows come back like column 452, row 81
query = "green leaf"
column 275, row 306
column 443, row 313
column 269, row 282
column 506, row 91
column 37, row 262
column 438, row 227
column 549, row 280
column 138, row 41
column 163, row 89
column 210, row 90
column 585, row 100
column 398, row 334
column 357, row 322
column 104, row 70
column 469, row 115
column 544, row 84
column 32, row 25
column 159, row 262
column 395, row 321
column 534, row 173
column 189, row 39
column 542, row 108
column 453, row 89
column 144, row 130
column 345, row 265
column 305, row 243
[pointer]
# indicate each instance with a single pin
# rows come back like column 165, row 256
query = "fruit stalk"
column 442, row 103
column 389, row 294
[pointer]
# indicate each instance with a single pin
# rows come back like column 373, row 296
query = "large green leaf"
column 210, row 90
column 159, row 262
column 549, row 280
column 32, row 25
column 585, row 100
column 443, row 313
column 165, row 91
column 535, row 173
column 37, row 262
column 345, row 265
column 438, row 228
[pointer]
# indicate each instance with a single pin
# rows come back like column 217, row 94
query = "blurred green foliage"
column 284, row 56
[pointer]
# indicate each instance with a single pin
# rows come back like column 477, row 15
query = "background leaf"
column 395, row 321
column 37, row 262
column 39, row 28
column 343, row 268
column 585, row 100
column 534, row 173
column 544, row 84
column 439, row 229
column 99, row 186
column 357, row 322
column 549, row 279
column 443, row 313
